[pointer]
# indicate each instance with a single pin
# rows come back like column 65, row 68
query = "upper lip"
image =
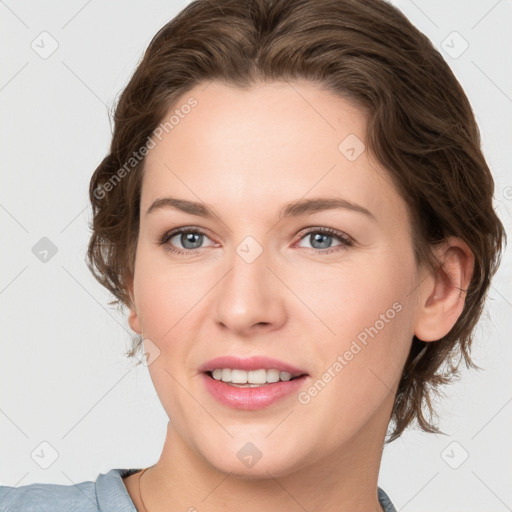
column 250, row 363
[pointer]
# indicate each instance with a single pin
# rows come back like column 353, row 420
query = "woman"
column 297, row 214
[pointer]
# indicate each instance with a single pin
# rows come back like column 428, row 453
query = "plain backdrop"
column 70, row 399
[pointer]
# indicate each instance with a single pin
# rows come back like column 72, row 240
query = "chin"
column 258, row 458
column 262, row 470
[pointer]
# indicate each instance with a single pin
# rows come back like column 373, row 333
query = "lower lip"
column 252, row 398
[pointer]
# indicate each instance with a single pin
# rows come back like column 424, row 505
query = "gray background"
column 63, row 377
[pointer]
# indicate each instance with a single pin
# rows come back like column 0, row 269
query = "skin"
column 246, row 153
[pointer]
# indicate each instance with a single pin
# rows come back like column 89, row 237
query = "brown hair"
column 420, row 128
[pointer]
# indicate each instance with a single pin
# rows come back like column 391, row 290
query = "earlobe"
column 443, row 295
column 134, row 322
column 133, row 317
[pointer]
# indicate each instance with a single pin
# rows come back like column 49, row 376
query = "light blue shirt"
column 107, row 494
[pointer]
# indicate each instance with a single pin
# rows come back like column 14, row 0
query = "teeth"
column 252, row 377
column 238, row 377
column 217, row 374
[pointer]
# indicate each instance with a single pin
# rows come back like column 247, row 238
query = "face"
column 269, row 237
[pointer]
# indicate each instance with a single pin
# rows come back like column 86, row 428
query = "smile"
column 251, row 383
column 252, row 378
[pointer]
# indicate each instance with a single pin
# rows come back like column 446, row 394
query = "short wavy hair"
column 421, row 128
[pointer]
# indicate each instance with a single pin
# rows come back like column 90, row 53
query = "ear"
column 133, row 317
column 443, row 292
column 134, row 322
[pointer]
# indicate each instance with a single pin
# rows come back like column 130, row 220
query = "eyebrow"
column 293, row 209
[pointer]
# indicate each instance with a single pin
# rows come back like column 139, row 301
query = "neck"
column 344, row 480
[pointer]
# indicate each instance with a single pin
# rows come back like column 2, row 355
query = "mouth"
column 253, row 378
column 251, row 383
column 255, row 370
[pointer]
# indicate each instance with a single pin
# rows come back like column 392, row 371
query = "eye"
column 184, row 240
column 321, row 239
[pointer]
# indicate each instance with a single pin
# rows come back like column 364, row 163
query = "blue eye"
column 322, row 239
column 186, row 240
column 190, row 239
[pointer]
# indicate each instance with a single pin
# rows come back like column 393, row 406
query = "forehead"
column 278, row 141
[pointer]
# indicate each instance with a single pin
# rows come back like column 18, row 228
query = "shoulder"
column 106, row 494
column 48, row 497
column 385, row 502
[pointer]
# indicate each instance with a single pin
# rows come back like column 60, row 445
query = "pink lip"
column 251, row 398
column 250, row 363
column 246, row 397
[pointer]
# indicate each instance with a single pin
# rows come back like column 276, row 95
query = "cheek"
column 167, row 296
column 166, row 293
column 346, row 300
column 366, row 326
column 359, row 368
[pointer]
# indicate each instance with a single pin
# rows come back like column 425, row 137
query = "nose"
column 250, row 298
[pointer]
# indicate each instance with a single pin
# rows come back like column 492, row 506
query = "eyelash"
column 345, row 241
